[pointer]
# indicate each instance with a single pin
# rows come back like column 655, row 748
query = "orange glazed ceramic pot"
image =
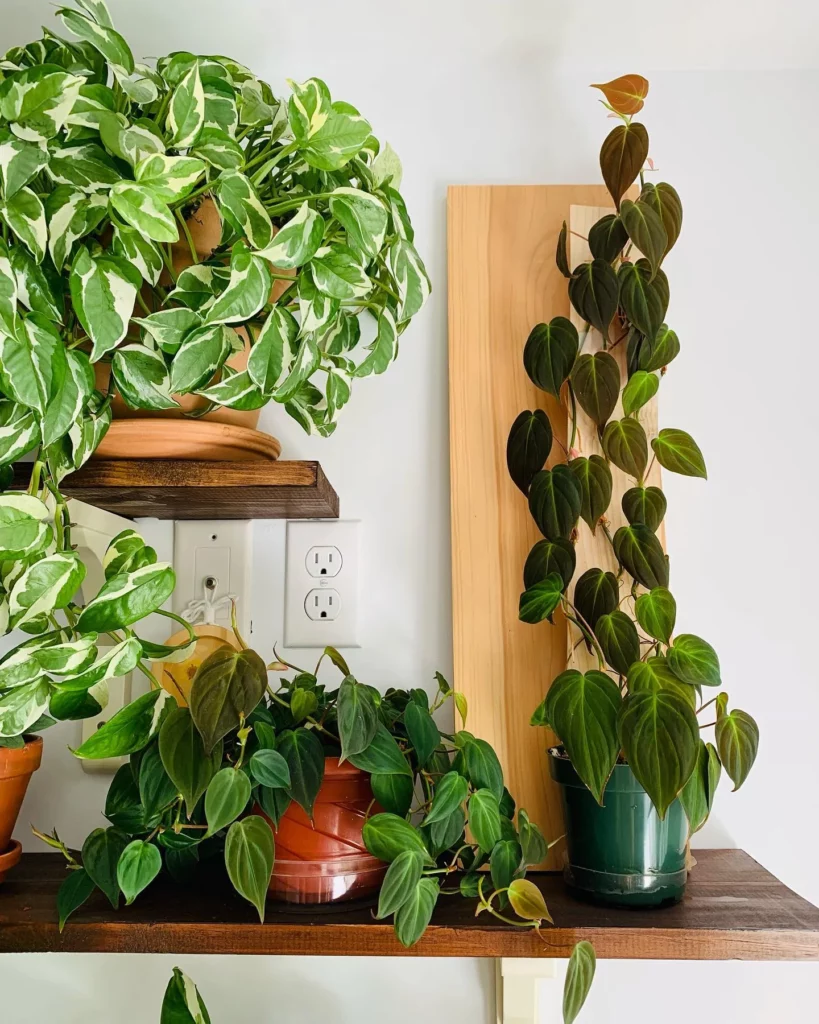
column 17, row 765
column 326, row 861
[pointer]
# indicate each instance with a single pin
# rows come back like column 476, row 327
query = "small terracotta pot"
column 326, row 861
column 17, row 765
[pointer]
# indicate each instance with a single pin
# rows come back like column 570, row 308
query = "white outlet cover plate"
column 299, row 629
column 218, row 548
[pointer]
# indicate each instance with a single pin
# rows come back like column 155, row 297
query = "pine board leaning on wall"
column 502, row 281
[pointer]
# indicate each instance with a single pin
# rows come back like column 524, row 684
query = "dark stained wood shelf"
column 733, row 910
column 177, row 489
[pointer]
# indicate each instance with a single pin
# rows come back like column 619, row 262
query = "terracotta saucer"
column 10, row 858
column 186, row 439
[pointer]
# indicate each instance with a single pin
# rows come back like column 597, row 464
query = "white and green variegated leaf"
column 257, row 105
column 39, row 288
column 337, row 391
column 66, row 659
column 386, row 168
column 399, row 217
column 338, row 273
column 20, row 162
column 126, row 552
column 304, row 365
column 168, row 327
column 45, row 586
column 196, row 286
column 239, row 199
column 142, row 86
column 220, row 105
column 71, row 215
column 22, row 706
column 97, row 10
column 102, row 37
column 186, row 112
column 25, row 215
column 236, row 391
column 200, row 355
column 8, row 292
column 364, row 218
column 21, row 535
column 27, row 504
column 340, row 335
column 273, row 351
column 341, row 137
column 26, row 359
column 303, row 411
column 218, row 149
column 130, row 142
column 315, row 308
column 4, row 616
column 171, row 177
column 86, row 435
column 92, row 104
column 247, row 290
column 116, row 661
column 18, row 668
column 103, row 290
column 128, row 597
column 37, row 101
column 19, row 432
column 145, row 209
column 297, row 241
column 383, row 350
column 410, row 277
column 87, row 167
column 68, row 399
column 308, row 108
column 141, row 375
column 142, row 252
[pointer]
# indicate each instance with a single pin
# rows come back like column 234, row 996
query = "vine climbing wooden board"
column 502, row 281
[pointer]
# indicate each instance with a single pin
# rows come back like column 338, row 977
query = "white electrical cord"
column 206, row 609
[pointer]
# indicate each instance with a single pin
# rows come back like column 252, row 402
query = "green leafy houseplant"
column 644, row 702
column 102, row 160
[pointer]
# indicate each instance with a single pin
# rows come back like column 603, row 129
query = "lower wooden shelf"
column 733, row 910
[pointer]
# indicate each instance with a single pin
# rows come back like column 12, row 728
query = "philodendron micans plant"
column 102, row 160
column 645, row 701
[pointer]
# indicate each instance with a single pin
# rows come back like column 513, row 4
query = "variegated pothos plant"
column 102, row 162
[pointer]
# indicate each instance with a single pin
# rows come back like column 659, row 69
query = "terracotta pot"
column 326, row 861
column 17, row 765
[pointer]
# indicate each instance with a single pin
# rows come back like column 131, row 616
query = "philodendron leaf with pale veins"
column 528, row 447
column 737, row 736
column 227, row 686
column 549, row 354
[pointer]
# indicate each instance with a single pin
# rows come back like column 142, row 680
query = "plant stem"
column 573, row 402
column 186, row 231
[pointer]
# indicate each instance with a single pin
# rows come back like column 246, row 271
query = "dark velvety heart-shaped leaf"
column 656, row 612
column 645, row 229
column 642, row 555
column 550, row 353
column 357, row 717
column 302, row 750
column 594, row 476
column 607, row 238
column 664, row 200
column 582, row 710
column 548, row 556
column 582, row 964
column 562, row 252
column 554, row 502
column 660, row 737
column 654, row 354
column 678, row 452
column 539, row 601
column 645, row 505
column 697, row 796
column 644, row 296
column 618, row 638
column 593, row 291
column 737, row 736
column 528, row 447
column 639, row 390
column 596, row 381
column 622, row 155
column 626, row 95
column 596, row 593
column 226, row 688
column 653, row 675
column 626, row 445
column 694, row 661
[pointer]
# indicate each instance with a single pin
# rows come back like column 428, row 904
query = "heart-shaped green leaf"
column 618, row 638
column 737, row 736
column 549, row 556
column 528, row 447
column 137, row 867
column 639, row 390
column 269, row 768
column 654, row 675
column 626, row 445
column 183, row 755
column 644, row 296
column 665, row 201
column 639, row 551
column 622, row 155
column 450, row 793
column 678, row 452
column 694, row 661
column 393, row 792
column 483, row 766
column 596, row 593
column 249, row 853
column 562, row 251
column 594, row 476
column 554, row 502
column 485, row 819
column 658, row 351
column 73, row 892
column 660, row 736
column 412, row 918
column 101, row 852
column 505, row 861
column 226, row 797
column 607, row 238
column 357, row 717
column 226, row 688
column 596, row 381
column 422, row 732
column 582, row 710
column 400, row 882
column 549, row 354
column 645, row 505
column 304, row 754
column 593, row 292
column 646, row 230
column 539, row 601
column 386, row 836
column 579, row 977
column 697, row 796
column 656, row 612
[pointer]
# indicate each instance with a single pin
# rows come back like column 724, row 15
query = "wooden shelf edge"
column 178, row 489
column 734, row 910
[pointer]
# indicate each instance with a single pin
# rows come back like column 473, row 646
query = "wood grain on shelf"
column 170, row 489
column 733, row 909
column 502, row 281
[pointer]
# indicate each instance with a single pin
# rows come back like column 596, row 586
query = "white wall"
column 476, row 91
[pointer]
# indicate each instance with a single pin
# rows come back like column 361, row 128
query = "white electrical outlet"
column 321, row 585
column 218, row 550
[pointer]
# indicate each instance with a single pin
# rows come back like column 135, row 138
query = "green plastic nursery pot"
column 620, row 854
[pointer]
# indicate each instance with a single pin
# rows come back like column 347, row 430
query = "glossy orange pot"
column 325, row 860
column 17, row 765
